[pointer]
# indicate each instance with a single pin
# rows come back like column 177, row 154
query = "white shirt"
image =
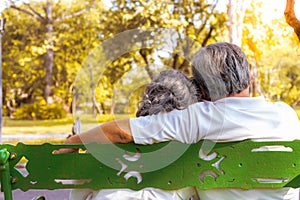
column 127, row 194
column 228, row 119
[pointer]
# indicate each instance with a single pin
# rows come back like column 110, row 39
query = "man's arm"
column 117, row 131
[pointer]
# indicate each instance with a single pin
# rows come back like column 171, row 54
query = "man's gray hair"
column 221, row 69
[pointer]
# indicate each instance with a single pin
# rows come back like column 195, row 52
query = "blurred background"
column 64, row 60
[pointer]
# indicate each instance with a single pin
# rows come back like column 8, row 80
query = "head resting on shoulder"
column 171, row 89
column 221, row 70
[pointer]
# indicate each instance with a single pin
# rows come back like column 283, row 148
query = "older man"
column 222, row 72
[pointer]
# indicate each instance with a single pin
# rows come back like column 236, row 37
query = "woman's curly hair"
column 171, row 89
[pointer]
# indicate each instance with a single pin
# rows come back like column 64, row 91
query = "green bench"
column 169, row 166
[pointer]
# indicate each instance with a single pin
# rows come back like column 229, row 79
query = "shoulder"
column 286, row 110
column 283, row 106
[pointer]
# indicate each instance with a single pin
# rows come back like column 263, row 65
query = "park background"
column 47, row 44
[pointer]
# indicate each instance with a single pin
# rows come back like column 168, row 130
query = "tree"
column 22, row 58
column 74, row 42
column 236, row 12
column 291, row 18
column 25, row 47
column 272, row 53
column 193, row 23
column 196, row 22
column 46, row 19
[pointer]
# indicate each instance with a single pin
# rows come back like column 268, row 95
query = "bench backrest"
column 171, row 165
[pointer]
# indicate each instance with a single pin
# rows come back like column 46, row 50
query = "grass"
column 51, row 141
column 21, row 127
column 11, row 126
column 36, row 129
column 7, row 122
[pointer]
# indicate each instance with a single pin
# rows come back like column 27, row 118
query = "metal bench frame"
column 169, row 166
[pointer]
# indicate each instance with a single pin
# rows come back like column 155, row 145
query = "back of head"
column 171, row 89
column 221, row 69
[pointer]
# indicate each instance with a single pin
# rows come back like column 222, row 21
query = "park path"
column 31, row 194
column 44, row 136
column 62, row 194
column 26, row 137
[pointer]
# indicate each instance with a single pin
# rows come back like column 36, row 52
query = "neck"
column 244, row 93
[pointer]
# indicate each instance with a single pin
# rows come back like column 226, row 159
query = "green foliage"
column 273, row 53
column 26, row 41
column 40, row 111
column 78, row 43
column 196, row 23
column 52, row 111
column 105, row 118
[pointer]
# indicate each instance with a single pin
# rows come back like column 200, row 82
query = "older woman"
column 170, row 90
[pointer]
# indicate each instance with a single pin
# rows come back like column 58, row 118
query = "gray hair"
column 221, row 69
column 171, row 89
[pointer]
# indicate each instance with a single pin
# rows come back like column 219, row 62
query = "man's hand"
column 71, row 140
column 66, row 150
column 117, row 131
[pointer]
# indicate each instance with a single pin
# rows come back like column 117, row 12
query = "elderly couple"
column 216, row 106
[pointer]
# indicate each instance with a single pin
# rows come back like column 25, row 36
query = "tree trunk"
column 291, row 18
column 236, row 13
column 49, row 53
column 143, row 52
column 254, row 89
column 48, row 78
column 48, row 21
column 295, row 103
column 113, row 102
